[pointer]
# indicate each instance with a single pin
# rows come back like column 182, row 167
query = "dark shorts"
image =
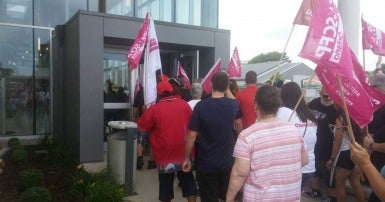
column 344, row 160
column 166, row 185
column 142, row 138
column 306, row 177
column 213, row 185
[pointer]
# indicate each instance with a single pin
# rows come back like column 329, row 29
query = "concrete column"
column 350, row 11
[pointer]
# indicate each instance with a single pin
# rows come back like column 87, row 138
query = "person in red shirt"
column 246, row 99
column 166, row 122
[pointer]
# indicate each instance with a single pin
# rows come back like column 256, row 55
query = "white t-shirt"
column 192, row 103
column 310, row 136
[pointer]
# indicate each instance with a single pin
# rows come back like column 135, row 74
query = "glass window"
column 160, row 10
column 53, row 12
column 42, row 93
column 188, row 12
column 16, row 64
column 210, row 13
column 93, row 5
column 16, row 11
column 120, row 7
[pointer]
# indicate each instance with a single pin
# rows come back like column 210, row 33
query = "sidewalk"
column 146, row 186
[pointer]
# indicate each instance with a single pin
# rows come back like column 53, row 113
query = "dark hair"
column 290, row 93
column 220, row 81
column 251, row 77
column 268, row 100
column 233, row 86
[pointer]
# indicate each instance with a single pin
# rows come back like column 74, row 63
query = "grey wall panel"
column 71, row 85
column 120, row 28
column 222, row 48
column 91, row 88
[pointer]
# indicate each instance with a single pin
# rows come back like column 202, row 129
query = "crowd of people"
column 259, row 143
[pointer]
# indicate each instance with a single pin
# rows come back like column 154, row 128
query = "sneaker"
column 151, row 165
column 314, row 194
column 139, row 162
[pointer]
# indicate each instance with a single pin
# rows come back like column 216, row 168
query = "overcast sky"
column 263, row 26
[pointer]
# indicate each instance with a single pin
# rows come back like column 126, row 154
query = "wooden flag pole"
column 283, row 53
column 350, row 129
column 299, row 99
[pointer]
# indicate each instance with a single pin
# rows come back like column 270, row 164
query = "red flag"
column 361, row 99
column 234, row 68
column 305, row 13
column 182, row 73
column 136, row 50
column 325, row 43
column 206, row 82
column 373, row 38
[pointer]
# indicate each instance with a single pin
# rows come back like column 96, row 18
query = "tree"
column 271, row 56
column 383, row 67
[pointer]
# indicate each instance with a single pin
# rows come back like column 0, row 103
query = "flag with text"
column 325, row 43
column 305, row 12
column 373, row 38
column 152, row 63
column 234, row 68
column 135, row 53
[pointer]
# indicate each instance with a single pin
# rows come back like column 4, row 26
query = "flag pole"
column 350, row 129
column 283, row 53
column 300, row 98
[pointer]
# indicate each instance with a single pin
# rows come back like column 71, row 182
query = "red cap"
column 163, row 86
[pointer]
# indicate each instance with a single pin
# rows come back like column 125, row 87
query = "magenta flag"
column 136, row 50
column 325, row 42
column 234, row 68
column 305, row 12
column 206, row 82
column 361, row 99
column 356, row 99
column 373, row 38
column 182, row 73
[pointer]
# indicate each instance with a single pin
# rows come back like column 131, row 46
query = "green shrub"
column 14, row 143
column 60, row 155
column 95, row 187
column 30, row 178
column 19, row 156
column 36, row 194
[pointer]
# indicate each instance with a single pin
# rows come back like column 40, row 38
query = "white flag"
column 151, row 64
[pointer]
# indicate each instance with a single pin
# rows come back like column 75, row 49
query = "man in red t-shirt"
column 246, row 99
column 166, row 122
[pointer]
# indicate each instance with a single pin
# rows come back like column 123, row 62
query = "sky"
column 259, row 26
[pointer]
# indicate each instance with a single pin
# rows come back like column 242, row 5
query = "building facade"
column 58, row 57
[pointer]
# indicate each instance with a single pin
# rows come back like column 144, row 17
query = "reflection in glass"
column 18, row 12
column 188, row 12
column 53, row 12
column 210, row 13
column 16, row 81
column 120, row 7
column 42, row 94
column 160, row 10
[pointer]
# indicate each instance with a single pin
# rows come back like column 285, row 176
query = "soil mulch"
column 55, row 179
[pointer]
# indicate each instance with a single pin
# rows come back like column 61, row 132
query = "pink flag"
column 206, row 82
column 183, row 74
column 304, row 14
column 136, row 50
column 361, row 99
column 325, row 42
column 234, row 68
column 151, row 64
column 373, row 38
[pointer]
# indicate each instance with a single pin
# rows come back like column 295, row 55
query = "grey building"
column 60, row 58
column 289, row 71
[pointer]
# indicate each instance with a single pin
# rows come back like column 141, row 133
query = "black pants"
column 213, row 185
